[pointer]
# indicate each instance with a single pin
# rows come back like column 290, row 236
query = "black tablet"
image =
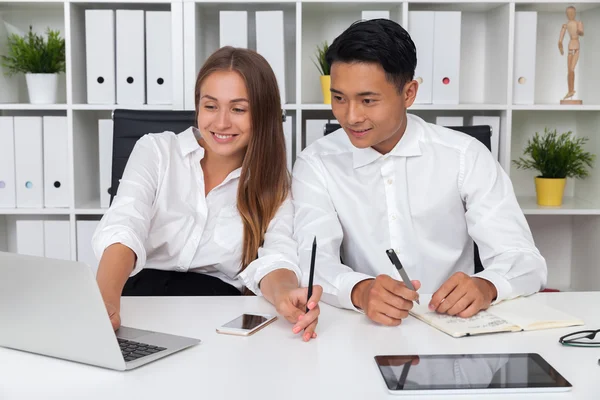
column 469, row 374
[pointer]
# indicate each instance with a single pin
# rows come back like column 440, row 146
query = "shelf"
column 453, row 107
column 433, row 107
column 555, row 107
column 554, row 6
column 475, row 6
column 246, row 2
column 315, row 106
column 32, row 107
column 35, row 211
column 570, row 206
column 26, row 3
column 90, row 211
column 110, row 107
column 121, row 1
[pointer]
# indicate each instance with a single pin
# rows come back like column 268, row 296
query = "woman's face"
column 224, row 114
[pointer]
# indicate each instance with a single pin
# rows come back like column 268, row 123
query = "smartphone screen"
column 246, row 321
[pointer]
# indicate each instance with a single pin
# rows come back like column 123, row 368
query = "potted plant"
column 323, row 67
column 556, row 157
column 40, row 59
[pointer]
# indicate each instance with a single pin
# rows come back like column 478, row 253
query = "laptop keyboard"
column 133, row 350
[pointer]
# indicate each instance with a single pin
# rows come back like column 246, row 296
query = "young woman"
column 208, row 211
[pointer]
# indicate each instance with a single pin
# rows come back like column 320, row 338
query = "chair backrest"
column 130, row 125
column 483, row 133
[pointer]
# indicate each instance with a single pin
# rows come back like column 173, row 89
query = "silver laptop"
column 54, row 307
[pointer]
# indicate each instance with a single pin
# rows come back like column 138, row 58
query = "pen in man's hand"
column 394, row 259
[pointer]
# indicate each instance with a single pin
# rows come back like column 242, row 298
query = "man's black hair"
column 380, row 41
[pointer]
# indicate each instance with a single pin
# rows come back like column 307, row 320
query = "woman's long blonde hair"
column 264, row 181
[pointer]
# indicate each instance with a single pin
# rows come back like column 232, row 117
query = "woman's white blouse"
column 161, row 213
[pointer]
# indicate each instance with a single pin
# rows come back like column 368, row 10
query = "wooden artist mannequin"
column 575, row 29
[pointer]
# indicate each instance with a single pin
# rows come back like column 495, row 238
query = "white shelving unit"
column 567, row 236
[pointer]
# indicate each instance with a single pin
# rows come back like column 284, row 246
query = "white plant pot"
column 42, row 88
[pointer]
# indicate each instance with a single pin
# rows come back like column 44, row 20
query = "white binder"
column 105, row 150
column 29, row 162
column 449, row 121
column 85, row 251
column 288, row 133
column 446, row 55
column 270, row 44
column 57, row 184
column 131, row 74
column 233, row 29
column 100, row 56
column 159, row 58
column 177, row 67
column 524, row 63
column 366, row 15
column 421, row 28
column 30, row 237
column 315, row 129
column 190, row 56
column 57, row 239
column 494, row 123
column 8, row 195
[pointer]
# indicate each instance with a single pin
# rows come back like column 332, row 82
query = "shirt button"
column 390, row 181
column 393, row 217
column 397, row 251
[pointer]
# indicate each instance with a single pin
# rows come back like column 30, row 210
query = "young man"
column 388, row 179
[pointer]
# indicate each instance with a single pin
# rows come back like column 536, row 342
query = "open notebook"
column 520, row 314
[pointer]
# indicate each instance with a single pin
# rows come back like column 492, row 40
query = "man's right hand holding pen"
column 385, row 300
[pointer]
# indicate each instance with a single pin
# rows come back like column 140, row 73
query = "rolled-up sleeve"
column 279, row 250
column 495, row 221
column 127, row 221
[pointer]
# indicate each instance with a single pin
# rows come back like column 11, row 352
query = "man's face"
column 369, row 107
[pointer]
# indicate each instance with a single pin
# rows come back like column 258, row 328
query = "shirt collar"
column 408, row 146
column 188, row 141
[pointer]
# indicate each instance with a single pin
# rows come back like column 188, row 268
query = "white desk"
column 275, row 364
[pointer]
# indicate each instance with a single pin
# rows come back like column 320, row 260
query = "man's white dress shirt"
column 428, row 199
column 162, row 214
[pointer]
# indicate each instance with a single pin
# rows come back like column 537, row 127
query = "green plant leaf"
column 35, row 54
column 556, row 156
column 321, row 62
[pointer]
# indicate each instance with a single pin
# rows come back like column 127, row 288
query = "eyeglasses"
column 580, row 339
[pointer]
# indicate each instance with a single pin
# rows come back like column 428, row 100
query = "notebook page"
column 530, row 314
column 482, row 322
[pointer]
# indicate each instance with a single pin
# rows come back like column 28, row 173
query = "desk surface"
column 275, row 364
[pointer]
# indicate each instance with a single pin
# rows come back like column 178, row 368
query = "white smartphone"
column 246, row 324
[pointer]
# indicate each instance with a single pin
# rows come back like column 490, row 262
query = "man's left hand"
column 463, row 295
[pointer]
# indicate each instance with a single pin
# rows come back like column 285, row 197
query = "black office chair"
column 130, row 125
column 483, row 133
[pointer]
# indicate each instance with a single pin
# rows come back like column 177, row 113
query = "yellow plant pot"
column 325, row 85
column 550, row 191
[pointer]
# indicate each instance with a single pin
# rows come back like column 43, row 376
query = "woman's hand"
column 292, row 303
column 114, row 314
column 280, row 287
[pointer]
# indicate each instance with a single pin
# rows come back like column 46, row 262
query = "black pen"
column 394, row 259
column 312, row 272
